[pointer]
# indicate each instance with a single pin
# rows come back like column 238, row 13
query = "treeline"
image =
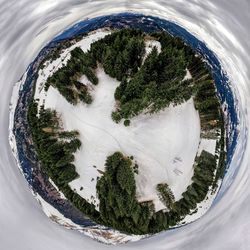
column 159, row 83
column 116, row 189
column 55, row 150
column 148, row 87
column 119, row 53
column 204, row 172
column 207, row 103
column 66, row 78
column 205, row 98
column 151, row 86
column 201, row 182
column 120, row 209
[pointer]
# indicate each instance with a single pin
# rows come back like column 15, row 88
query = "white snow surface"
column 164, row 145
column 188, row 75
column 148, row 177
column 208, row 145
column 149, row 45
column 157, row 142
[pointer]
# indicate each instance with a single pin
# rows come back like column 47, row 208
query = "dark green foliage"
column 202, row 179
column 116, row 117
column 136, row 169
column 166, row 195
column 56, row 155
column 120, row 53
column 222, row 156
column 127, row 123
column 150, row 86
column 55, row 150
column 156, row 84
column 65, row 79
column 116, row 191
column 208, row 105
column 68, row 134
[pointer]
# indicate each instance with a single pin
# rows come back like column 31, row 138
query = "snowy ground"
column 188, row 75
column 208, row 145
column 215, row 22
column 164, row 145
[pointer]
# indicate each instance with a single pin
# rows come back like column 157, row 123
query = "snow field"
column 164, row 145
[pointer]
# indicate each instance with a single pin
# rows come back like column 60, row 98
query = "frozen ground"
column 164, row 144
column 187, row 76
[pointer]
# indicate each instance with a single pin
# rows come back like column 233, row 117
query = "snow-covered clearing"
column 149, row 45
column 164, row 144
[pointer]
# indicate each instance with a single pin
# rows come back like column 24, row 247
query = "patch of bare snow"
column 188, row 75
column 84, row 80
column 208, row 145
column 164, row 144
column 149, row 45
